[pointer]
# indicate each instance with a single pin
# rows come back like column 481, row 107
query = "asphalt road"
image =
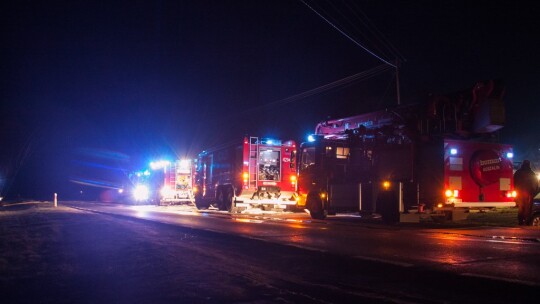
column 511, row 254
column 147, row 254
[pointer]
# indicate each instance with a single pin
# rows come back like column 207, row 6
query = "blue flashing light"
column 146, row 172
column 311, row 138
column 510, row 155
column 453, row 151
column 156, row 165
column 269, row 142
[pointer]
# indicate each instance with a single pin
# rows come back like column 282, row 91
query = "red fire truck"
column 249, row 173
column 442, row 152
column 178, row 181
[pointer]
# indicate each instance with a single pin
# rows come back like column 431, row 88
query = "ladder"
column 253, row 162
column 172, row 176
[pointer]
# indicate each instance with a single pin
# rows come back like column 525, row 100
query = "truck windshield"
column 269, row 165
column 308, row 157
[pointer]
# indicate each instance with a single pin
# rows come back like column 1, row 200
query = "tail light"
column 511, row 194
column 293, row 179
column 451, row 193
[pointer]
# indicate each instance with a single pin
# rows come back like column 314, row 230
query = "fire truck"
column 178, row 181
column 246, row 174
column 438, row 153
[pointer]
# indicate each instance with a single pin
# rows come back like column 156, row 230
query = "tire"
column 228, row 199
column 535, row 221
column 315, row 205
column 200, row 203
column 220, row 199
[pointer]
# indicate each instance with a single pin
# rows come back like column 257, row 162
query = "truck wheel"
column 220, row 199
column 200, row 203
column 315, row 206
column 228, row 199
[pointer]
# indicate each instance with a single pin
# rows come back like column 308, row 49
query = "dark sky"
column 105, row 86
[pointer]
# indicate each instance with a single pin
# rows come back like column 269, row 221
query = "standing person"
column 526, row 184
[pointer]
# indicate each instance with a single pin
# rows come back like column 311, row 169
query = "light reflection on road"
column 482, row 250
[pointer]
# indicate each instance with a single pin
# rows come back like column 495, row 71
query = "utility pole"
column 397, row 83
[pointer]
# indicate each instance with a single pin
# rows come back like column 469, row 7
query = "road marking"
column 494, row 278
column 372, row 259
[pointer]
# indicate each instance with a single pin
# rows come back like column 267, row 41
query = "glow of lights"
column 453, row 151
column 120, row 190
column 511, row 194
column 269, row 142
column 448, row 193
column 159, row 164
column 509, row 155
column 386, row 185
column 184, row 163
column 146, row 172
column 439, row 205
column 166, row 191
column 311, row 138
column 293, row 178
column 245, row 175
column 323, row 195
column 141, row 193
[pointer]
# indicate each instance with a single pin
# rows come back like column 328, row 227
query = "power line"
column 375, row 31
column 368, row 36
column 344, row 81
column 346, row 35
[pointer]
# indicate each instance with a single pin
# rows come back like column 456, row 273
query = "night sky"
column 92, row 90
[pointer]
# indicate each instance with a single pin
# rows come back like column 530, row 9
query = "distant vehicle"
column 251, row 172
column 535, row 219
column 144, row 188
column 178, row 179
column 439, row 154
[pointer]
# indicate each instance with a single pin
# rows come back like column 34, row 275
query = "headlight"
column 166, row 191
column 141, row 192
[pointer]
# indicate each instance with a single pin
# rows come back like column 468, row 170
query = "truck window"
column 342, row 152
column 308, row 157
column 269, row 165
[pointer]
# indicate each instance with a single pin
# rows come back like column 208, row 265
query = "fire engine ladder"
column 172, row 177
column 253, row 160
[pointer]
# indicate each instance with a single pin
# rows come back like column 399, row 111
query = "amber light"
column 386, row 185
column 448, row 193
column 511, row 194
column 293, row 179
